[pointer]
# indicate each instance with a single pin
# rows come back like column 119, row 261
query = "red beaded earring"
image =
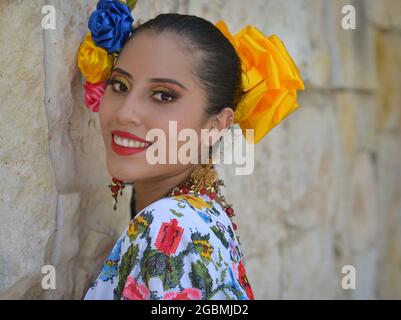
column 115, row 186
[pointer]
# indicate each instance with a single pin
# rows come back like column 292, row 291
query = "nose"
column 128, row 112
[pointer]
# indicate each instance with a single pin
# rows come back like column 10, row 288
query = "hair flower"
column 270, row 79
column 110, row 24
column 93, row 95
column 94, row 62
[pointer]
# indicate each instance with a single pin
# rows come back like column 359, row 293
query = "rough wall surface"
column 326, row 187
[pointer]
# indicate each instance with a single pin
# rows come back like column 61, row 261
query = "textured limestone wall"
column 326, row 187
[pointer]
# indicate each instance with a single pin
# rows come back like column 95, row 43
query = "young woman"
column 181, row 242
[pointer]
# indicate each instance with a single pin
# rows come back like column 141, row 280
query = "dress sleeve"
column 167, row 258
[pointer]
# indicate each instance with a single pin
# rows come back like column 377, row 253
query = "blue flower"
column 109, row 269
column 110, row 24
column 116, row 251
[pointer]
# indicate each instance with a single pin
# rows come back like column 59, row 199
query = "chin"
column 125, row 172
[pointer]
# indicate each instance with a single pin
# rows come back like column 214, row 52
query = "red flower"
column 244, row 280
column 135, row 291
column 169, row 237
column 186, row 294
column 93, row 95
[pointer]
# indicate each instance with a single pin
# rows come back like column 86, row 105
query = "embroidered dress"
column 177, row 248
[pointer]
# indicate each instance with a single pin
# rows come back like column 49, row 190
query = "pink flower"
column 135, row 291
column 186, row 294
column 93, row 94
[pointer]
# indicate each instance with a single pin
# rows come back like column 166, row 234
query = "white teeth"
column 129, row 142
column 125, row 142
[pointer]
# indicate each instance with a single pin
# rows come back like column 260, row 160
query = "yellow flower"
column 94, row 62
column 207, row 248
column 133, row 225
column 194, row 201
column 270, row 79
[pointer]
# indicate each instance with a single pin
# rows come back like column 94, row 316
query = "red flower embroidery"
column 135, row 291
column 244, row 280
column 169, row 237
column 186, row 294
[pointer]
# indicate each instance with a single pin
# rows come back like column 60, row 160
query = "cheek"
column 104, row 111
column 191, row 119
column 105, row 118
column 190, row 114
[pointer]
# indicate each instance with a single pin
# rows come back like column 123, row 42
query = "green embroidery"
column 153, row 263
column 223, row 273
column 140, row 225
column 213, row 210
column 231, row 232
column 222, row 287
column 201, row 279
column 181, row 205
column 127, row 261
column 203, row 246
column 219, row 234
column 168, row 269
column 176, row 213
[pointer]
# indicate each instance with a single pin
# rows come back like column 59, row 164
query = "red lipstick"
column 125, row 151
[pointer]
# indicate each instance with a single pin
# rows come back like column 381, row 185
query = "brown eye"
column 119, row 86
column 164, row 95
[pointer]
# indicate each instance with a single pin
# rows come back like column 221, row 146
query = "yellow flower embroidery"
column 133, row 225
column 94, row 62
column 194, row 201
column 207, row 248
column 270, row 78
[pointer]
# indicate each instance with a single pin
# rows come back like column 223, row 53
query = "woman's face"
column 138, row 99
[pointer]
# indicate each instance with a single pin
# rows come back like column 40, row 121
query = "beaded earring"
column 115, row 186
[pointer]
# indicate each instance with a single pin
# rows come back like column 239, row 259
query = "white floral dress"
column 177, row 248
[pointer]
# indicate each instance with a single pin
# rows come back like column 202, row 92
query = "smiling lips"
column 125, row 143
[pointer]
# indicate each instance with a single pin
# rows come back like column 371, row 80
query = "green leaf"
column 175, row 212
column 127, row 261
column 219, row 234
column 200, row 278
column 223, row 274
column 174, row 278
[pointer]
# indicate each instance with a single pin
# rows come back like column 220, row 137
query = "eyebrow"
column 119, row 70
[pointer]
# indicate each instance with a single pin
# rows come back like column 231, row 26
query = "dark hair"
column 218, row 68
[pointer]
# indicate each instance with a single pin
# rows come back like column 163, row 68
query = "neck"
column 149, row 191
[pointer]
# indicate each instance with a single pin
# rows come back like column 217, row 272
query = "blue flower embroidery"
column 109, row 269
column 204, row 216
column 236, row 286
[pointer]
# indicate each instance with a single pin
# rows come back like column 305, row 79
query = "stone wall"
column 326, row 187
